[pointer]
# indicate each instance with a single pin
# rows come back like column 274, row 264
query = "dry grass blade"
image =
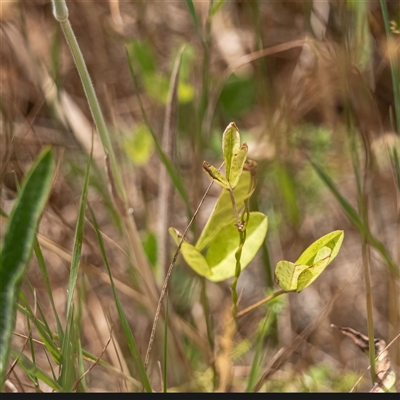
column 164, row 184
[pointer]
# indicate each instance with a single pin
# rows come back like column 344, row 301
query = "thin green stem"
column 60, row 12
column 238, row 254
column 259, row 303
column 93, row 103
column 241, row 226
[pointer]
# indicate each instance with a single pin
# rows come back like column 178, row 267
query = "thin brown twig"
column 169, row 272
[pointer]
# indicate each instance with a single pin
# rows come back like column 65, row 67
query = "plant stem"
column 241, row 226
column 89, row 90
column 259, row 303
column 60, row 12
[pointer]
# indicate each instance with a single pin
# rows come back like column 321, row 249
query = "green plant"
column 219, row 238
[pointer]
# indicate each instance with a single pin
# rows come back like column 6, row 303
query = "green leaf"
column 191, row 255
column 18, row 243
column 139, row 145
column 310, row 265
column 78, row 238
column 287, row 274
column 220, row 263
column 223, row 212
column 230, row 145
column 144, row 57
column 238, row 161
column 238, row 96
column 215, row 175
column 221, row 252
column 328, row 245
column 310, row 274
column 68, row 355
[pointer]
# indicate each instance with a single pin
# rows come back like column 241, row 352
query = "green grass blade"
column 68, row 355
column 82, row 386
column 18, row 243
column 356, row 220
column 351, row 213
column 31, row 369
column 193, row 13
column 255, row 366
column 122, row 316
column 44, row 332
column 32, row 349
column 45, row 276
column 77, row 248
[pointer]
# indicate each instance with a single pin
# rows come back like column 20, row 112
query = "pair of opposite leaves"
column 219, row 238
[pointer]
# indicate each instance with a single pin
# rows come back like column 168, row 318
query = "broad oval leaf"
column 220, row 263
column 313, row 253
column 310, row 274
column 310, row 265
column 223, row 212
column 221, row 252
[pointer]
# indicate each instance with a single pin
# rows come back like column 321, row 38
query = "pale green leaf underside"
column 312, row 254
column 238, row 160
column 297, row 276
column 230, row 145
column 223, row 212
column 220, row 263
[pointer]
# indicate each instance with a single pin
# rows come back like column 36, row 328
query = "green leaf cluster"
column 214, row 255
column 294, row 277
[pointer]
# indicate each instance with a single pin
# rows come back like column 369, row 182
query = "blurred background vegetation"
column 303, row 80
